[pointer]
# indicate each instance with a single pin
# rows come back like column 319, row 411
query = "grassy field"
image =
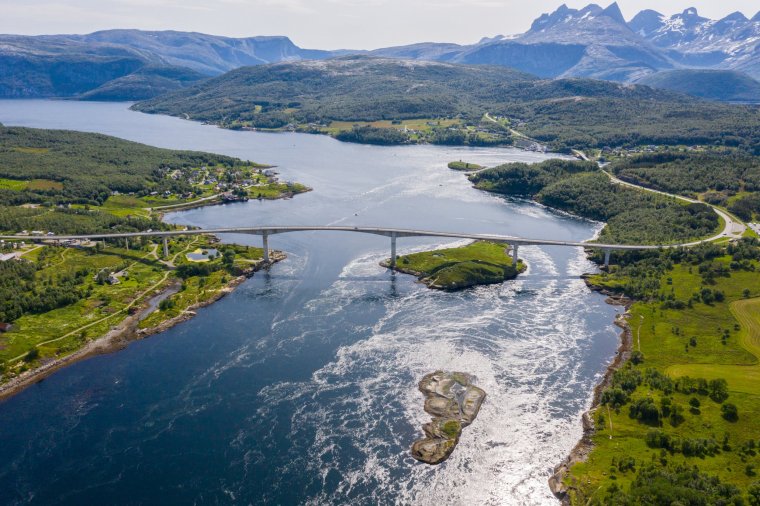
column 420, row 125
column 34, row 184
column 65, row 329
column 196, row 289
column 719, row 340
column 141, row 275
column 12, row 184
column 479, row 263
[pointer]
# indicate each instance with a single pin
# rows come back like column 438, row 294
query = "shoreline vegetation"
column 62, row 302
column 454, row 269
column 130, row 329
column 631, row 215
column 672, row 417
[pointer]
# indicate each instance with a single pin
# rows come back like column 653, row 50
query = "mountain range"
column 599, row 43
column 673, row 52
column 129, row 64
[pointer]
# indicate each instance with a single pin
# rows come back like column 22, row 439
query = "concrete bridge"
column 392, row 233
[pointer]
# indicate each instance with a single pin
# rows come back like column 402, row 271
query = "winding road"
column 733, row 229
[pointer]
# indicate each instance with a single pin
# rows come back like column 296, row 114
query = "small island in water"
column 453, row 402
column 464, row 166
column 453, row 269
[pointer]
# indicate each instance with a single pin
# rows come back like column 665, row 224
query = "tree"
column 718, row 390
column 729, row 412
column 753, row 494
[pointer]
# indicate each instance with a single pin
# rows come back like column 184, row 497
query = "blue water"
column 300, row 387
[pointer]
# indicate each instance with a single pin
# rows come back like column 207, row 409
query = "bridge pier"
column 265, row 240
column 166, row 247
column 607, row 258
column 393, row 250
column 126, row 242
column 514, row 255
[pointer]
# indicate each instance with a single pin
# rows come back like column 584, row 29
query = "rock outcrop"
column 453, row 402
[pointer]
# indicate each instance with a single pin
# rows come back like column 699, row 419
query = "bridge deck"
column 388, row 232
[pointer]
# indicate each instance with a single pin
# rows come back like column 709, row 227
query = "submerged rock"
column 453, row 402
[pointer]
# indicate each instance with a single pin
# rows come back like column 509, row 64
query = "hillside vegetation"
column 565, row 113
column 88, row 167
column 724, row 85
column 632, row 216
column 723, row 178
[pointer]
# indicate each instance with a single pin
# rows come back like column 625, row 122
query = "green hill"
column 723, row 85
column 564, row 113
column 60, row 166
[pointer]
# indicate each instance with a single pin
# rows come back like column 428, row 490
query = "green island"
column 452, row 269
column 675, row 419
column 63, row 301
column 464, row 166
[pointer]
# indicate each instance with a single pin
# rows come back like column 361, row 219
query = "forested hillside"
column 724, row 178
column 62, row 167
column 632, row 216
column 565, row 113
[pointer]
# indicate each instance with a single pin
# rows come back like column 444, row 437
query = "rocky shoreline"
column 125, row 332
column 453, row 402
column 580, row 452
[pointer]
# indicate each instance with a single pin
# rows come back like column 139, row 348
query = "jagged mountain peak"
column 691, row 11
column 586, row 21
column 646, row 22
column 564, row 14
column 613, row 11
column 735, row 17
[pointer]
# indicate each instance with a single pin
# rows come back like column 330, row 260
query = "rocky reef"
column 453, row 402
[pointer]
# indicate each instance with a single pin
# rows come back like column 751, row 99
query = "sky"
column 321, row 24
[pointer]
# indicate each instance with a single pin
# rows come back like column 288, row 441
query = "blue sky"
column 324, row 24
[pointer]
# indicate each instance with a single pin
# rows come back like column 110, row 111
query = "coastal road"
column 185, row 204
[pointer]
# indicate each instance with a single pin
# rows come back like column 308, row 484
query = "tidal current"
column 301, row 386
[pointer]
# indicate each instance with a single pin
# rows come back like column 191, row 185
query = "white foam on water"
column 364, row 409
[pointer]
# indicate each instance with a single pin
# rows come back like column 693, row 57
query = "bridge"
column 392, row 233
